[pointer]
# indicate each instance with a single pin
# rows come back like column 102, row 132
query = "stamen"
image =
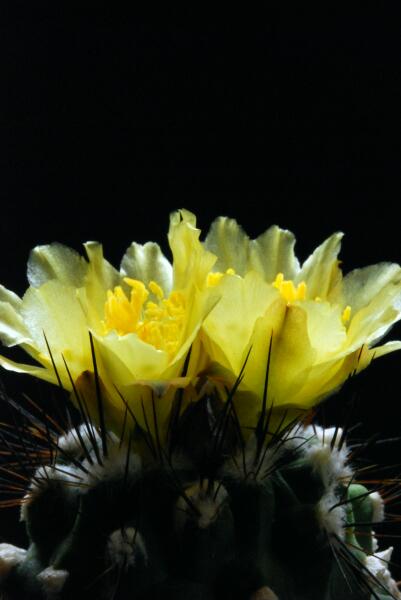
column 345, row 317
column 288, row 290
column 157, row 323
column 214, row 278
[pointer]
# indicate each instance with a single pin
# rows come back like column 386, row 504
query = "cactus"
column 278, row 514
column 189, row 465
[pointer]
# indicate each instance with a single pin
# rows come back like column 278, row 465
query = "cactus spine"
column 204, row 516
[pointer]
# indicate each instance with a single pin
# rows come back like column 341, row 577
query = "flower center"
column 291, row 293
column 157, row 323
column 288, row 290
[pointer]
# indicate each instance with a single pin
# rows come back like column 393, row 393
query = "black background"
column 109, row 125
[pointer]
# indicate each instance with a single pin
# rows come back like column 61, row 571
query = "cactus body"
column 281, row 519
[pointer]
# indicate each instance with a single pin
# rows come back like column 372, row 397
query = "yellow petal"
column 100, row 277
column 361, row 286
column 55, row 261
column 118, row 352
column 273, row 252
column 320, row 271
column 326, row 332
column 231, row 323
column 147, row 263
column 369, row 354
column 10, row 297
column 191, row 262
column 269, row 254
column 40, row 372
column 372, row 322
column 227, row 240
column 12, row 328
column 54, row 310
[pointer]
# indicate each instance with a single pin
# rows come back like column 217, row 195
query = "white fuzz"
column 45, row 476
column 332, row 521
column 10, row 556
column 325, row 436
column 264, row 593
column 207, row 503
column 243, row 466
column 113, row 466
column 378, row 507
column 71, row 444
column 52, row 580
column 123, row 545
column 329, row 463
column 377, row 565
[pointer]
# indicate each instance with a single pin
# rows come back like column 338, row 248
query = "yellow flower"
column 321, row 326
column 228, row 299
column 143, row 319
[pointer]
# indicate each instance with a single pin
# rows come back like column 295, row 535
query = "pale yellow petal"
column 227, row 240
column 128, row 358
column 374, row 320
column 368, row 354
column 191, row 261
column 54, row 310
column 55, row 261
column 231, row 323
column 326, row 331
column 272, row 253
column 317, row 381
column 40, row 372
column 147, row 263
column 12, row 328
column 291, row 355
column 199, row 306
column 269, row 254
column 361, row 286
column 10, row 297
column 100, row 277
column 321, row 270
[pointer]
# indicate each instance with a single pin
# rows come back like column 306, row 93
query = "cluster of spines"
column 201, row 484
column 202, row 478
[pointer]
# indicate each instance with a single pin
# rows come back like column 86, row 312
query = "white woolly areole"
column 331, row 519
column 375, row 543
column 10, row 556
column 244, row 465
column 114, row 465
column 329, row 463
column 377, row 507
column 378, row 566
column 52, row 580
column 326, row 436
column 123, row 545
column 71, row 444
column 264, row 593
column 44, row 477
column 207, row 503
column 299, row 437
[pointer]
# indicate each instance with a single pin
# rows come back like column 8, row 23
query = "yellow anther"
column 301, row 290
column 288, row 290
column 214, row 278
column 345, row 317
column 157, row 323
column 156, row 289
column 279, row 280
